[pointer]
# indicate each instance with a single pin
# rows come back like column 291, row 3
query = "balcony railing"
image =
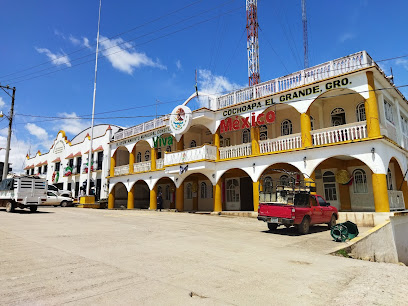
column 143, row 127
column 396, row 200
column 160, row 163
column 142, row 167
column 121, row 170
column 236, row 151
column 205, row 152
column 283, row 143
column 346, row 132
column 329, row 69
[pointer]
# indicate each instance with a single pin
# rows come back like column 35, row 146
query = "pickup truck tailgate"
column 275, row 210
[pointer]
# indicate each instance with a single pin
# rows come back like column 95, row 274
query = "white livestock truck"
column 23, row 192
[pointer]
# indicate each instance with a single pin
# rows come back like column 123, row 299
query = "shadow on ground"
column 292, row 231
column 26, row 211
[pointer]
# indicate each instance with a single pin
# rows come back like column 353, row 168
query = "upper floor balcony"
column 205, row 152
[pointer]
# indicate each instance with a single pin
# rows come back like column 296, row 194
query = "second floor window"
column 389, row 113
column 286, row 127
column 100, row 160
column 338, row 116
column 159, row 153
column 263, row 132
column 246, row 136
column 78, row 167
column 193, row 144
column 45, row 169
column 404, row 125
column 147, row 155
column 71, row 163
column 389, row 180
column 168, row 149
column 57, row 166
column 139, row 157
column 360, row 112
column 311, row 123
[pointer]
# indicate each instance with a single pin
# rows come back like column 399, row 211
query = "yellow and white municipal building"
column 342, row 124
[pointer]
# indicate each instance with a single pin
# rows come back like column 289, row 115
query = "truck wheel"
column 304, row 226
column 272, row 226
column 33, row 208
column 332, row 221
column 64, row 204
column 10, row 207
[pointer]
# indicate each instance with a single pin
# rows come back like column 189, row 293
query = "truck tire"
column 33, row 208
column 10, row 207
column 272, row 226
column 64, row 204
column 304, row 226
column 332, row 222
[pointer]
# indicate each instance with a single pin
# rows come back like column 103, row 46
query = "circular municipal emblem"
column 180, row 119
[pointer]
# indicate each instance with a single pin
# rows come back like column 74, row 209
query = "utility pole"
column 6, row 158
column 305, row 40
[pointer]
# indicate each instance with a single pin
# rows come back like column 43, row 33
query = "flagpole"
column 88, row 180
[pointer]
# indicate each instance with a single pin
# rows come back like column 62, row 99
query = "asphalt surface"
column 86, row 257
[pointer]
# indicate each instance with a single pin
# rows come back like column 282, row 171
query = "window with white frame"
column 284, row 180
column 263, row 132
column 329, row 184
column 338, row 116
column 246, row 136
column 360, row 112
column 139, row 157
column 360, row 181
column 286, row 127
column 404, row 125
column 389, row 112
column 268, row 185
column 203, row 190
column 189, row 191
column 147, row 155
column 389, row 180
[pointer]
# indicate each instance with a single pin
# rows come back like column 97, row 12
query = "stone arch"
column 197, row 198
column 141, row 194
column 121, row 155
column 198, row 133
column 166, row 185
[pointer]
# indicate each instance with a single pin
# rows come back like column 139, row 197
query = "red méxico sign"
column 246, row 122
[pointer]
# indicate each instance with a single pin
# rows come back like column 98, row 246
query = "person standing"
column 160, row 201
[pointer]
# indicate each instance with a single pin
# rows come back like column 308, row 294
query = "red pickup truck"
column 306, row 210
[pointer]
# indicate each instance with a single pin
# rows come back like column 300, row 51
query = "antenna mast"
column 252, row 42
column 305, row 43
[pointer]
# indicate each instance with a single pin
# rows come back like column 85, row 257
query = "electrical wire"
column 126, row 43
column 130, row 47
column 109, row 38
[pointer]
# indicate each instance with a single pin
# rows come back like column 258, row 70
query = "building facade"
column 66, row 164
column 341, row 124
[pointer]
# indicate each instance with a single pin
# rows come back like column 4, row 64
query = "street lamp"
column 10, row 118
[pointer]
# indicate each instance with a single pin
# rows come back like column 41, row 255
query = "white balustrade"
column 160, row 163
column 121, row 170
column 236, row 151
column 142, row 166
column 329, row 69
column 283, row 143
column 143, row 127
column 396, row 200
column 205, row 152
column 353, row 131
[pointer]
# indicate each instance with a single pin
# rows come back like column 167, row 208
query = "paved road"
column 87, row 257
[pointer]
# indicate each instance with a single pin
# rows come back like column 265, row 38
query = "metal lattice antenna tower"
column 305, row 42
column 252, row 42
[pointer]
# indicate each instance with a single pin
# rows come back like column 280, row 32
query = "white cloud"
column 214, row 84
column 86, row 42
column 2, row 103
column 74, row 40
column 56, row 58
column 58, row 33
column 402, row 62
column 72, row 124
column 41, row 135
column 18, row 152
column 124, row 57
column 346, row 36
column 178, row 64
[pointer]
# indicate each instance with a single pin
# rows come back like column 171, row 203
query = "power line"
column 111, row 37
column 127, row 48
column 126, row 42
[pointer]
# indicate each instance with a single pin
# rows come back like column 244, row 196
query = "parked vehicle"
column 65, row 193
column 293, row 204
column 58, row 200
column 23, row 192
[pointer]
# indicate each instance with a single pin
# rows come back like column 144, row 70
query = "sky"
column 150, row 50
